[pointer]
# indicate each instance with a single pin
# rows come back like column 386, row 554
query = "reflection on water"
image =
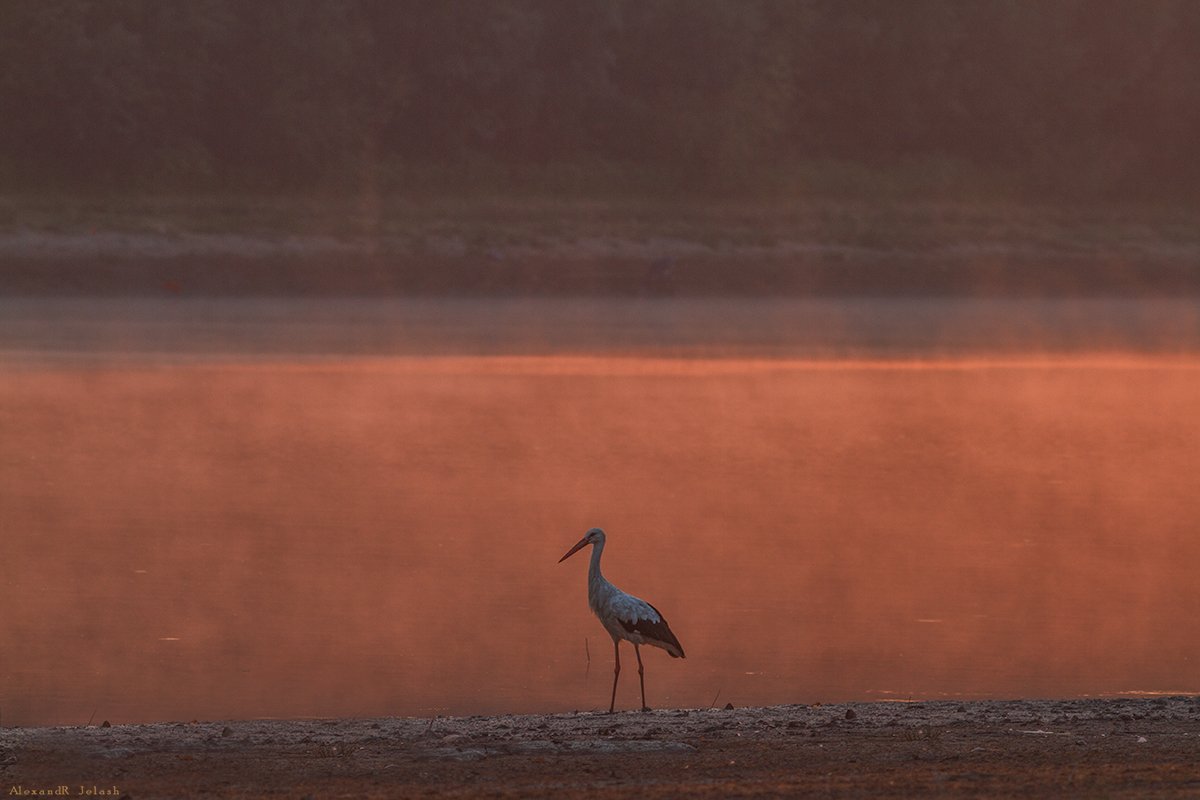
column 380, row 537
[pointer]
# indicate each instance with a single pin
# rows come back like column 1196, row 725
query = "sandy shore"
column 1081, row 748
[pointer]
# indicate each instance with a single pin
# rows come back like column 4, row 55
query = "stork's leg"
column 616, row 673
column 641, row 678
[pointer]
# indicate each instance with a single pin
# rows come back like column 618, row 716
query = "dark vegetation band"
column 1089, row 98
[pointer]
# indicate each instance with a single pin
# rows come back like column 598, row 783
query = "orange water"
column 377, row 537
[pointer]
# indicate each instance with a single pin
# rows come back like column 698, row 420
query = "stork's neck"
column 598, row 587
column 594, row 575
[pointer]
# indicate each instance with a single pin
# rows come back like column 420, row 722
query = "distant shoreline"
column 231, row 245
column 225, row 267
column 1115, row 747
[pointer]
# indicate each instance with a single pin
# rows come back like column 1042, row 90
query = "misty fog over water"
column 242, row 508
column 785, row 327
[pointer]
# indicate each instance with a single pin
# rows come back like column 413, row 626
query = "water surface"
column 202, row 530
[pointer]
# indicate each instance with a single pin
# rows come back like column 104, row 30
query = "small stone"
column 729, row 706
column 850, row 713
column 227, row 731
column 106, row 724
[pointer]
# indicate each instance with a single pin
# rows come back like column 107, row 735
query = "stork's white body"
column 623, row 615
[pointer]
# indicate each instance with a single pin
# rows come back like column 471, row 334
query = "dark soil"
column 1080, row 748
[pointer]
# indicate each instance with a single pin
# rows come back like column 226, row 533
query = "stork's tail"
column 671, row 644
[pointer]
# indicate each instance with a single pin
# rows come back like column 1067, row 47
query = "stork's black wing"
column 657, row 632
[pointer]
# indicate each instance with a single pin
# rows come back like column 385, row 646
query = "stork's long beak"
column 574, row 549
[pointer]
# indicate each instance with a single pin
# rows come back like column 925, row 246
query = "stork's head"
column 594, row 536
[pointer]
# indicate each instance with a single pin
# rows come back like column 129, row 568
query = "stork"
column 623, row 616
